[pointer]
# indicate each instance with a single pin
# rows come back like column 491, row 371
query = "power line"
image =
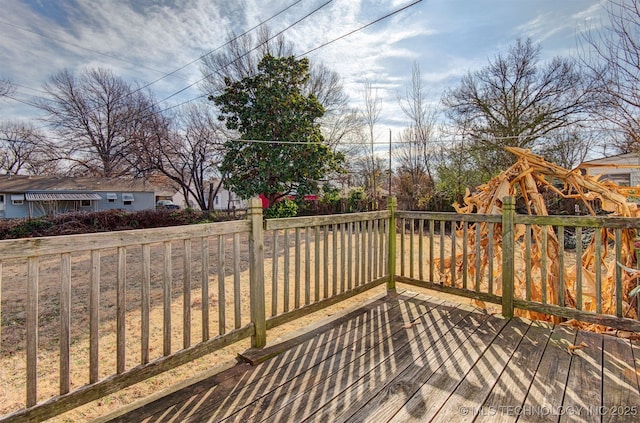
column 165, row 75
column 277, row 34
column 22, row 101
column 388, row 15
column 228, row 64
column 222, row 46
column 314, row 49
column 233, row 61
column 29, row 88
column 248, row 52
column 361, row 28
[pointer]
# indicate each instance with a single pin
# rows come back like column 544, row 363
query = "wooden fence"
column 117, row 308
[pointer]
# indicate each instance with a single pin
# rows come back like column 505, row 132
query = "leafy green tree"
column 280, row 149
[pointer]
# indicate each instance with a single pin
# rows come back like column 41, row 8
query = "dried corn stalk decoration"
column 525, row 179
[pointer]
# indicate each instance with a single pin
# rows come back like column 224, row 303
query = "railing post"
column 392, row 204
column 508, row 212
column 256, row 275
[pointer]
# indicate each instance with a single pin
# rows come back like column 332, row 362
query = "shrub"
column 102, row 221
column 357, row 199
column 282, row 208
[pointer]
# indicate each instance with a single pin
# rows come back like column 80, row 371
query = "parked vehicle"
column 167, row 205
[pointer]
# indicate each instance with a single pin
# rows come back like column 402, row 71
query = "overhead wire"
column 247, row 52
column 360, row 28
column 222, row 45
column 165, row 74
column 172, row 72
column 156, row 103
column 381, row 143
column 226, row 65
column 386, row 16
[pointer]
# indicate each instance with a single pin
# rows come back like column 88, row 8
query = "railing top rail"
column 32, row 247
column 457, row 217
column 615, row 222
column 311, row 221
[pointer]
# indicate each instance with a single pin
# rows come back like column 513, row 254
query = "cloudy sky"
column 144, row 40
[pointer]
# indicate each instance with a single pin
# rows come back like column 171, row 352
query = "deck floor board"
column 517, row 377
column 411, row 357
column 584, row 385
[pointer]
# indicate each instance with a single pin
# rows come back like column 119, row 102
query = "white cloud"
column 148, row 38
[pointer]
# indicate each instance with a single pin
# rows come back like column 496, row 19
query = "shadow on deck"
column 411, row 357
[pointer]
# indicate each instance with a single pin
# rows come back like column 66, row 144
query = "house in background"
column 227, row 200
column 33, row 196
column 622, row 169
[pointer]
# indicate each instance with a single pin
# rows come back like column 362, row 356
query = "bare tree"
column 148, row 133
column 191, row 154
column 97, row 116
column 514, row 101
column 415, row 152
column 570, row 146
column 413, row 180
column 343, row 130
column 361, row 168
column 240, row 57
column 370, row 115
column 6, row 87
column 25, row 150
column 612, row 54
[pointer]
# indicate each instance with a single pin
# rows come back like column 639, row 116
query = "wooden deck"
column 410, row 357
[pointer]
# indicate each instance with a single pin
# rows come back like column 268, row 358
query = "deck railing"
column 114, row 309
column 522, row 262
column 319, row 261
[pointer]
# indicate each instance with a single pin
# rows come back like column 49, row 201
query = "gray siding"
column 141, row 201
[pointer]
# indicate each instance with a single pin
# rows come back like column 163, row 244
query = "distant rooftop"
column 23, row 183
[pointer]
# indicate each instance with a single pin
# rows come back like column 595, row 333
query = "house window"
column 217, row 200
column 127, row 199
column 112, row 197
column 85, row 203
column 17, row 199
column 1, row 198
column 622, row 179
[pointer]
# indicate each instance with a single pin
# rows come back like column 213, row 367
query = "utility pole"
column 389, row 162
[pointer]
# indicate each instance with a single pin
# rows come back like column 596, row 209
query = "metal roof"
column 23, row 183
column 61, row 196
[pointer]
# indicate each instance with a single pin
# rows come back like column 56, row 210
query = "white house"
column 227, row 200
column 623, row 169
